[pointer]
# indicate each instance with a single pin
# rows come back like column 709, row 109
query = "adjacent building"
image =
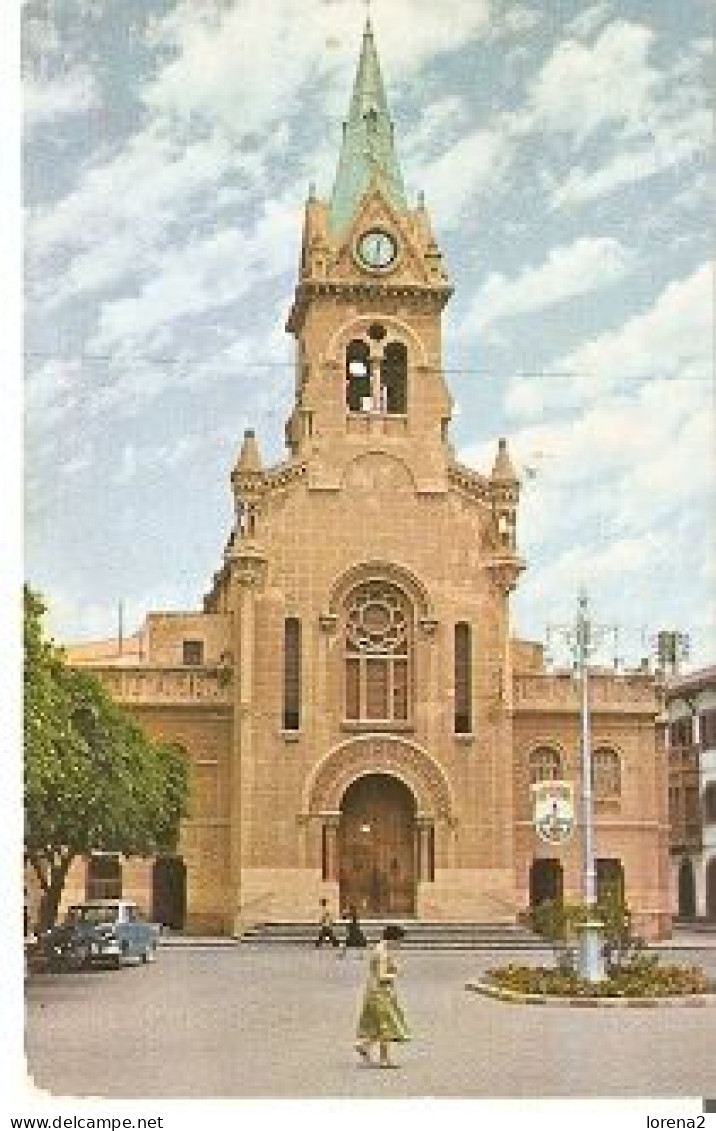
column 691, row 707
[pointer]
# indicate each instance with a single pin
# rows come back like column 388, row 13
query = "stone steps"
column 419, row 935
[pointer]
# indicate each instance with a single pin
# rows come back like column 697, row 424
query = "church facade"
column 360, row 722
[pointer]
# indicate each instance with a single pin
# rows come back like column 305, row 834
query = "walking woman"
column 381, row 1019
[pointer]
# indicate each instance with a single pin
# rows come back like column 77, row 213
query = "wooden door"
column 687, row 890
column 169, row 892
column 711, row 889
column 376, row 845
column 545, row 882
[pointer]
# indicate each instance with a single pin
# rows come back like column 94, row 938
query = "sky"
column 563, row 150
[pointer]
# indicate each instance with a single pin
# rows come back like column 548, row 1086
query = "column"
column 248, row 572
column 330, row 822
column 424, row 827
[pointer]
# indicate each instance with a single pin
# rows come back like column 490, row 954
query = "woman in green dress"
column 381, row 1019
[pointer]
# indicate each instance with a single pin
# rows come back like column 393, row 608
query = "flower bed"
column 642, row 979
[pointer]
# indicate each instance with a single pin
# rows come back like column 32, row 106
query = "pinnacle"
column 249, row 457
column 502, row 470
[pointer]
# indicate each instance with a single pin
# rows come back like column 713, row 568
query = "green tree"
column 93, row 780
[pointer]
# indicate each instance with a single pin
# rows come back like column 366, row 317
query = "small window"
column 292, row 674
column 606, row 774
column 710, row 804
column 707, row 728
column 681, row 731
column 545, row 764
column 463, row 679
column 325, row 855
column 193, row 652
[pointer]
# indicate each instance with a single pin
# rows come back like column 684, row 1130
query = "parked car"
column 101, row 930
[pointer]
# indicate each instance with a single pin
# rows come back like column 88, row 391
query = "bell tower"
column 367, row 307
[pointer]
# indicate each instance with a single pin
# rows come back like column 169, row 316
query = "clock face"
column 376, row 248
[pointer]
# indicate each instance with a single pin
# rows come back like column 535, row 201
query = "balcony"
column 376, row 424
column 543, row 691
column 176, row 686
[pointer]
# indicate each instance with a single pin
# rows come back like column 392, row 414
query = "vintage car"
column 101, row 930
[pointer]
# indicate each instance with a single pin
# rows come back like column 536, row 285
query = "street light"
column 582, row 638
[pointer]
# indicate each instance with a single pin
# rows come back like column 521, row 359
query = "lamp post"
column 582, row 638
column 591, row 963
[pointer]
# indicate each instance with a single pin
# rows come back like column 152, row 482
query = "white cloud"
column 581, row 88
column 588, row 21
column 46, row 100
column 440, row 118
column 481, row 158
column 672, row 338
column 655, row 117
column 518, row 19
column 202, row 274
column 572, row 269
column 584, row 184
column 204, row 76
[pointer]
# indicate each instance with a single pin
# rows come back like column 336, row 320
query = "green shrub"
column 641, row 979
column 559, row 923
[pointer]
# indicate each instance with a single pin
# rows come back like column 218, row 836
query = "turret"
column 505, row 494
column 247, row 481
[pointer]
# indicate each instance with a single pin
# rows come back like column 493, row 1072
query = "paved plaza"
column 274, row 1021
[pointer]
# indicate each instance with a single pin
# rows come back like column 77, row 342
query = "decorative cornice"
column 471, row 482
column 433, row 295
column 248, row 566
column 505, row 570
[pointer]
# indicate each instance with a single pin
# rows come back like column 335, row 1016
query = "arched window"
column 545, row 764
column 378, row 646
column 463, row 678
column 358, row 391
column 291, row 674
column 710, row 804
column 394, row 378
column 606, row 774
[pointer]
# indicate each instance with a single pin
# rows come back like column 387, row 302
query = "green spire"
column 367, row 151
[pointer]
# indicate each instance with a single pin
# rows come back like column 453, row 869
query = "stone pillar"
column 424, row 825
column 248, row 571
column 425, row 653
column 321, row 679
column 376, row 354
column 329, row 825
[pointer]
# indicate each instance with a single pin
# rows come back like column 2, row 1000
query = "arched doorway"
column 610, row 880
column 169, row 892
column 687, row 890
column 711, row 888
column 546, row 882
column 376, row 847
